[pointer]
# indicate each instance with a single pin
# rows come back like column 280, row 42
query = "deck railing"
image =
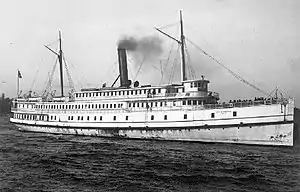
column 150, row 109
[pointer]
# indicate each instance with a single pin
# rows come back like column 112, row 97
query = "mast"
column 61, row 67
column 183, row 75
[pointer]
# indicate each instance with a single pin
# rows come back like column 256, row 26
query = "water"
column 45, row 162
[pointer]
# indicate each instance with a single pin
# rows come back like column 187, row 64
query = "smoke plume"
column 145, row 48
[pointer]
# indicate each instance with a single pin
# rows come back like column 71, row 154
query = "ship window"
column 110, row 105
column 152, row 117
column 99, row 106
column 123, row 92
column 51, row 117
column 103, row 106
column 212, row 115
column 115, row 118
column 95, row 118
column 81, row 118
column 115, row 106
column 126, row 118
column 88, row 118
column 189, row 102
column 133, row 104
column 100, row 118
column 137, row 104
column 89, row 106
column 194, row 102
column 136, row 92
column 145, row 91
column 127, row 92
column 185, row 116
column 92, row 106
column 161, row 104
column 234, row 113
column 166, row 117
column 90, row 94
column 151, row 104
column 158, row 90
column 131, row 92
column 183, row 102
column 78, row 118
column 107, row 106
column 174, row 103
column 140, row 91
column 129, row 105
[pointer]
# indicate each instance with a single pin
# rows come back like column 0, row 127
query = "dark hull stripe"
column 164, row 128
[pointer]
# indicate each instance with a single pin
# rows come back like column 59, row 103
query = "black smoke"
column 146, row 48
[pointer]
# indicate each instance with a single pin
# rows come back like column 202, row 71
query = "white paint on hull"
column 274, row 134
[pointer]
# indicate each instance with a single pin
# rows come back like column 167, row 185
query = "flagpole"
column 18, row 84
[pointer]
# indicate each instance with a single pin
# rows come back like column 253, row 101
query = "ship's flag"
column 19, row 74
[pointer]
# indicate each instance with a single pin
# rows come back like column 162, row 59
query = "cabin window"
column 174, row 103
column 115, row 106
column 165, row 117
column 78, row 118
column 140, row 91
column 194, row 102
column 133, row 104
column 234, row 114
column 95, row 118
column 99, row 106
column 137, row 104
column 212, row 115
column 107, row 106
column 129, row 105
column 71, row 118
column 145, row 91
column 100, row 118
column 88, row 118
column 185, row 116
column 126, row 118
column 183, row 102
column 81, row 118
column 189, row 102
column 115, row 118
column 123, row 92
column 103, row 106
column 152, row 117
column 110, row 105
column 131, row 92
column 136, row 92
column 90, row 94
column 92, row 106
column 158, row 90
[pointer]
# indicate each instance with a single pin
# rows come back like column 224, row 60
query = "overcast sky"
column 260, row 40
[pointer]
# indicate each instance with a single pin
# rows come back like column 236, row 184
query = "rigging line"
column 174, row 66
column 229, row 70
column 169, row 25
column 71, row 84
column 34, row 78
column 144, row 58
column 49, row 84
column 191, row 68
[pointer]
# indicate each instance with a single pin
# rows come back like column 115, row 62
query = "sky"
column 259, row 40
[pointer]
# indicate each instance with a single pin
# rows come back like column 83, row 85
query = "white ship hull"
column 259, row 125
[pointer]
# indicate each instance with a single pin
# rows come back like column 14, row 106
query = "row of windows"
column 199, row 84
column 118, row 93
column 115, row 106
column 31, row 117
column 80, row 106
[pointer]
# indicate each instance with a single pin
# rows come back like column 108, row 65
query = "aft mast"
column 181, row 43
column 61, row 67
column 182, row 40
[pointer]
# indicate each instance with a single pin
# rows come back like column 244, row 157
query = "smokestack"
column 123, row 67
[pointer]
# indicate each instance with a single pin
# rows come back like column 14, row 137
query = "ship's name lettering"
column 223, row 112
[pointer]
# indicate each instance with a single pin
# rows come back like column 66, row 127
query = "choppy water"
column 44, row 162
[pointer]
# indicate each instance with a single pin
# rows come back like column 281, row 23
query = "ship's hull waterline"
column 276, row 134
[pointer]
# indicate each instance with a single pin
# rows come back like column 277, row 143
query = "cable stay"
column 229, row 70
column 71, row 84
column 48, row 88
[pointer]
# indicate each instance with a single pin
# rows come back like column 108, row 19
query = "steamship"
column 187, row 111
